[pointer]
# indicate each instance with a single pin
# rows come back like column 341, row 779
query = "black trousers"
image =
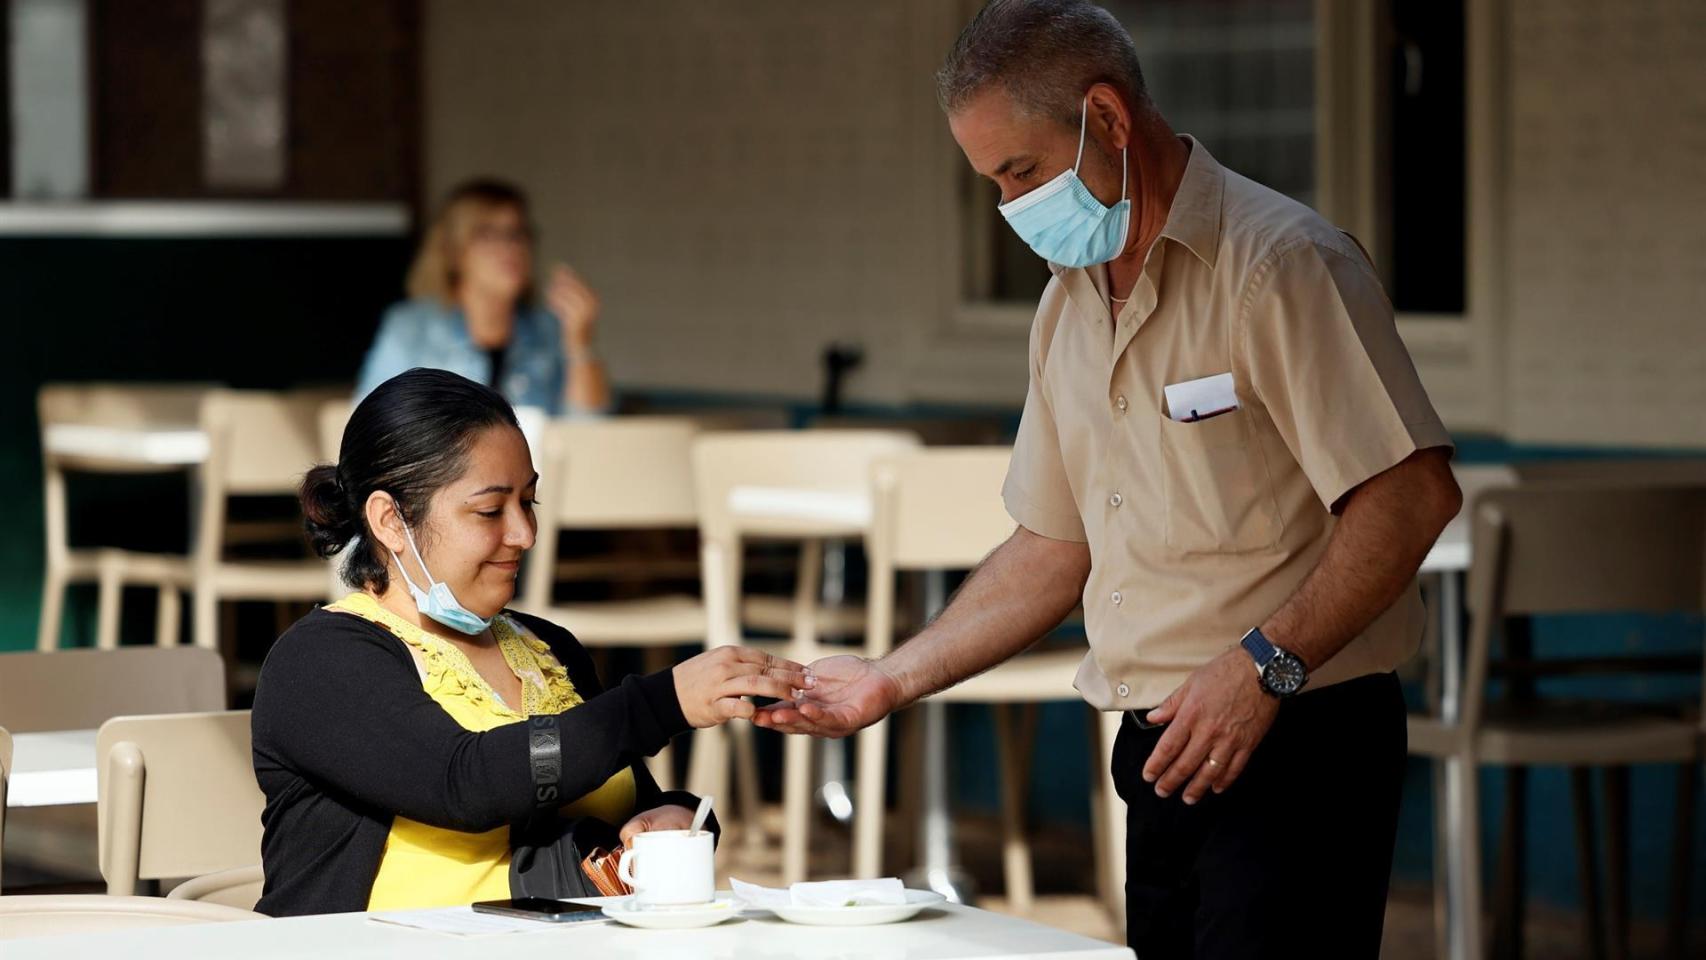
column 1294, row 858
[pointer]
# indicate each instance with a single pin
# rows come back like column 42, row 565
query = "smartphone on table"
column 540, row 908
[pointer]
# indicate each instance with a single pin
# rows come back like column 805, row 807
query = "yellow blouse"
column 427, row 866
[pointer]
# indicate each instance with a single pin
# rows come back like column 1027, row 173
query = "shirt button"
column 1123, row 690
column 1117, row 598
column 1119, row 401
column 1115, row 500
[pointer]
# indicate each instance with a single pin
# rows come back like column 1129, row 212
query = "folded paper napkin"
column 887, row 891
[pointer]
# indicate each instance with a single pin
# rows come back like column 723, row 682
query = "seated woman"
column 388, row 727
column 471, row 310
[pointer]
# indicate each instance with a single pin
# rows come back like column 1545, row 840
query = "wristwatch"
column 1282, row 673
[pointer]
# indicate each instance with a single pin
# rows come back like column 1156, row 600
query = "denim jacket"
column 426, row 333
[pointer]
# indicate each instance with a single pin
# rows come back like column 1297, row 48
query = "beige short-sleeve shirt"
column 1200, row 530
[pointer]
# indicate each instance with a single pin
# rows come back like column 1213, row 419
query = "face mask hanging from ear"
column 437, row 601
column 1064, row 222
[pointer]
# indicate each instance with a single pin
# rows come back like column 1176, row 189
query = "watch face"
column 1285, row 674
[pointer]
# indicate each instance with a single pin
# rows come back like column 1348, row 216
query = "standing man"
column 1227, row 457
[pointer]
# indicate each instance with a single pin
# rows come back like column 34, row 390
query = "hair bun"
column 327, row 513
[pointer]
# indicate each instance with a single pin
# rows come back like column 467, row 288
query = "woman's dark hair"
column 409, row 438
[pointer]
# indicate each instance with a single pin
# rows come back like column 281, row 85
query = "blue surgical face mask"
column 1064, row 222
column 438, row 602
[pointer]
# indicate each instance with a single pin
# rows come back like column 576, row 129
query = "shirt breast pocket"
column 1217, row 495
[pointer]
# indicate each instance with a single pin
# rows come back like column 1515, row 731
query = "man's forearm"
column 1020, row 592
column 1387, row 527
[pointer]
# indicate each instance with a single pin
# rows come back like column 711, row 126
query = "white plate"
column 628, row 910
column 861, row 916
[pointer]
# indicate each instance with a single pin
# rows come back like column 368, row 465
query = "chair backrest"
column 60, row 914
column 178, row 797
column 240, row 887
column 261, row 442
column 932, row 431
column 1565, row 549
column 625, row 473
column 1618, row 471
column 940, row 508
column 809, row 461
column 82, row 689
column 1579, row 549
column 620, row 473
column 120, row 404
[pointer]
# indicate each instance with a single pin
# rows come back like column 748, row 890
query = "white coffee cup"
column 670, row 867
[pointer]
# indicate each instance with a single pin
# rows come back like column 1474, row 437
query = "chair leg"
column 1443, row 856
column 1617, row 860
column 109, row 603
column 869, row 811
column 1470, row 942
column 1508, row 895
column 168, row 616
column 1109, row 814
column 662, row 766
column 746, row 784
column 1587, row 862
column 52, row 610
column 1682, row 862
column 796, row 807
column 1015, row 749
column 708, row 766
column 204, row 616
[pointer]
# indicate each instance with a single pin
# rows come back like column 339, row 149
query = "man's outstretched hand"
column 849, row 694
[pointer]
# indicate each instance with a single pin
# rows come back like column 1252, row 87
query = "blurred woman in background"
column 471, row 310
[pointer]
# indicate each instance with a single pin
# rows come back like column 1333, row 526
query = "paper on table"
column 825, row 893
column 1197, row 399
column 459, row 921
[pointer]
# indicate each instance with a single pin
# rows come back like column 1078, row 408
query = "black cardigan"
column 345, row 739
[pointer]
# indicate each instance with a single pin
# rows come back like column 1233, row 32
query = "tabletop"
column 947, row 932
column 50, row 769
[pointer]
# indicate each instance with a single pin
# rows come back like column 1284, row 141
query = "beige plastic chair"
column 59, row 915
column 5, row 778
column 259, row 444
column 941, row 509
column 115, row 407
column 82, row 689
column 1563, row 549
column 178, row 797
column 629, row 473
column 800, row 486
column 239, row 887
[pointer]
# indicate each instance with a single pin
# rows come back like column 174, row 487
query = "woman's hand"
column 576, row 306
column 712, row 686
column 666, row 817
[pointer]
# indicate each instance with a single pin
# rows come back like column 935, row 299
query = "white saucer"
column 861, row 916
column 628, row 910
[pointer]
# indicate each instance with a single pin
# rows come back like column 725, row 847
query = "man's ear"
column 1109, row 119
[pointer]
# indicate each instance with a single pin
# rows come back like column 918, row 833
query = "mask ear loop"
column 1125, row 161
column 418, row 559
column 1083, row 115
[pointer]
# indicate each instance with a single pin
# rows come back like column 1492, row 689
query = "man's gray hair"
column 1045, row 53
